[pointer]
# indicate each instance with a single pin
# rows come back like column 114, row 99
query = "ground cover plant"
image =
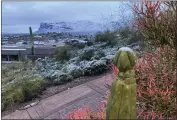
column 20, row 82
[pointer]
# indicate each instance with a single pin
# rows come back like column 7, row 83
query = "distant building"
column 22, row 52
column 37, row 36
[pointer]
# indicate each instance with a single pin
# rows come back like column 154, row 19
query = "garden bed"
column 52, row 90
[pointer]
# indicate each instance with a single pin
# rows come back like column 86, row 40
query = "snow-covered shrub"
column 95, row 67
column 75, row 71
column 83, row 63
column 74, row 60
column 62, row 53
column 108, row 59
column 87, row 55
column 98, row 54
column 110, row 51
column 48, row 64
column 62, row 78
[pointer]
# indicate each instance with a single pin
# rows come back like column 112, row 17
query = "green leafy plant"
column 62, row 53
column 157, row 22
column 108, row 36
column 20, row 83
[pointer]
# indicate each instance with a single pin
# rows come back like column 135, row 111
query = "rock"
column 34, row 103
column 27, row 106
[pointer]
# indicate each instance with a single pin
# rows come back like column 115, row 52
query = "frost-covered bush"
column 95, row 67
column 87, row 54
column 98, row 54
column 74, row 60
column 62, row 53
column 83, row 63
column 110, row 51
column 75, row 71
column 62, row 78
column 108, row 36
column 108, row 59
column 48, row 64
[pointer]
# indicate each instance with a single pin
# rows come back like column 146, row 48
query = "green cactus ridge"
column 125, row 59
column 122, row 99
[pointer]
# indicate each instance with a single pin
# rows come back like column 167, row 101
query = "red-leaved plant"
column 156, row 79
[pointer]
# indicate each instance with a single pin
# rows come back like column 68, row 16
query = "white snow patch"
column 126, row 49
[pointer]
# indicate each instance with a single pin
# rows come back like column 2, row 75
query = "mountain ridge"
column 76, row 26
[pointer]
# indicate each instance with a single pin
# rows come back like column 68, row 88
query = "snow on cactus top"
column 126, row 49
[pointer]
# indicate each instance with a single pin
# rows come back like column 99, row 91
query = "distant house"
column 37, row 36
column 13, row 54
column 22, row 52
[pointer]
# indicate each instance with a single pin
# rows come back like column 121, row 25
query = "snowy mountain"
column 81, row 26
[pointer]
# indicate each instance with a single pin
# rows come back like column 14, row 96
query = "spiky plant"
column 122, row 99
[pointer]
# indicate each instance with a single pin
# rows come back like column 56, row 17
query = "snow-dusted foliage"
column 74, row 60
column 84, row 63
column 48, row 63
column 73, row 70
column 95, row 67
column 62, row 78
column 110, row 51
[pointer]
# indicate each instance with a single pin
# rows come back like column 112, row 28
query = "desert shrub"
column 20, row 84
column 99, row 54
column 62, row 78
column 156, row 21
column 79, row 45
column 88, row 113
column 95, row 67
column 74, row 60
column 108, row 37
column 89, row 43
column 125, row 32
column 75, row 71
column 134, row 37
column 131, row 34
column 156, row 71
column 156, row 77
column 62, row 53
column 48, row 63
column 87, row 54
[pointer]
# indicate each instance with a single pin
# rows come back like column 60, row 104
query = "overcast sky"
column 18, row 16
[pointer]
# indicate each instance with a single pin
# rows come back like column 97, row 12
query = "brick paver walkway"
column 58, row 105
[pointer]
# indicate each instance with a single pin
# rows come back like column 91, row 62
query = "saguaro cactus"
column 32, row 47
column 122, row 99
